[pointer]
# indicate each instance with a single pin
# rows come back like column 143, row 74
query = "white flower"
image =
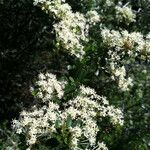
column 109, row 3
column 102, row 146
column 48, row 86
column 125, row 12
column 77, row 131
column 93, row 17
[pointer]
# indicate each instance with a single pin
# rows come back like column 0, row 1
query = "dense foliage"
column 75, row 74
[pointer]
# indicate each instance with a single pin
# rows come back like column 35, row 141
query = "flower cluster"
column 131, row 42
column 87, row 106
column 72, row 29
column 93, row 17
column 125, row 14
column 37, row 122
column 101, row 146
column 119, row 74
column 49, row 86
column 71, row 32
column 123, row 44
column 81, row 112
column 109, row 3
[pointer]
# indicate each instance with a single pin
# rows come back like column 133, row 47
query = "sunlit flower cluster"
column 133, row 43
column 93, row 17
column 81, row 112
column 49, row 87
column 37, row 122
column 125, row 14
column 123, row 40
column 122, row 44
column 101, row 146
column 87, row 106
column 119, row 74
column 72, row 29
column 109, row 3
column 71, row 32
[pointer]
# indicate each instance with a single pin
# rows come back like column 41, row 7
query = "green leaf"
column 69, row 121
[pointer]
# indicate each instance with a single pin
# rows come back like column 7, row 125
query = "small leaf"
column 69, row 122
